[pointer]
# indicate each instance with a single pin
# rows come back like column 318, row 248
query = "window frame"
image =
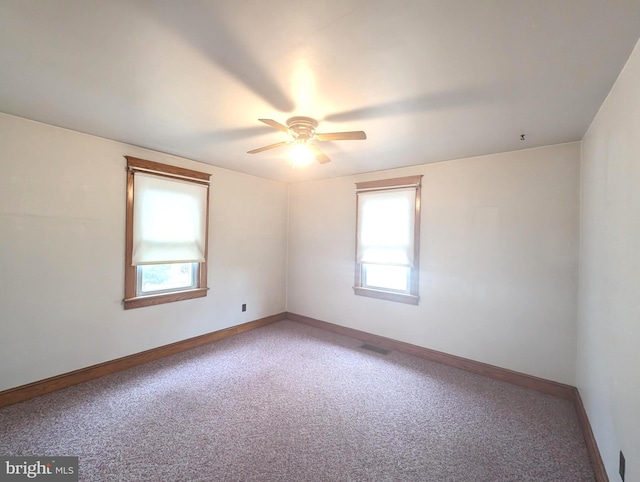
column 131, row 298
column 412, row 296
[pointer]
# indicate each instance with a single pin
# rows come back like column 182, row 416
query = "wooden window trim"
column 395, row 183
column 130, row 272
column 412, row 297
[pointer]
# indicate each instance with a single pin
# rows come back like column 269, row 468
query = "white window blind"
column 386, row 227
column 169, row 224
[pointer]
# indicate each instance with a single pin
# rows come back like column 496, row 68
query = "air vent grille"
column 377, row 349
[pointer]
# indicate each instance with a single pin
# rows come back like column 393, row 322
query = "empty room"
column 320, row 241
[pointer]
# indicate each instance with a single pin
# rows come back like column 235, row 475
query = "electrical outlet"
column 622, row 464
column 244, row 307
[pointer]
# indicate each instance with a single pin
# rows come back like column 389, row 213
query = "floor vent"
column 377, row 349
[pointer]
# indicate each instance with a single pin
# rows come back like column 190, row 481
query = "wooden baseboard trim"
column 48, row 385
column 42, row 387
column 528, row 381
column 592, row 447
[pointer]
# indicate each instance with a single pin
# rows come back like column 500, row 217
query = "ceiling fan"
column 302, row 130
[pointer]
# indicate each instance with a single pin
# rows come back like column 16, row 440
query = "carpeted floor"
column 292, row 403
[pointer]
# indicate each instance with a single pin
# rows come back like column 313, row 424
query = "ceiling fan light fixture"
column 301, row 131
column 301, row 155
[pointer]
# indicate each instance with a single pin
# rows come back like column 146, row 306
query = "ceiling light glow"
column 303, row 84
column 301, row 155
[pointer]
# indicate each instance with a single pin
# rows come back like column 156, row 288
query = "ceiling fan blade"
column 275, row 125
column 341, row 136
column 318, row 155
column 265, row 148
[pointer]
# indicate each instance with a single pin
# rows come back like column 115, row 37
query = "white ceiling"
column 428, row 80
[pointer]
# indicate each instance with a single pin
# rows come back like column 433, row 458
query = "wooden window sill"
column 150, row 300
column 387, row 295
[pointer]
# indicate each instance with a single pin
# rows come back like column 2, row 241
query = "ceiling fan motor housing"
column 304, row 128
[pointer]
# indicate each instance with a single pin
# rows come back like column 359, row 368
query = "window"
column 166, row 233
column 388, row 239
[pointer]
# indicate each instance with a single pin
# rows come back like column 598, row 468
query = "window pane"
column 388, row 277
column 165, row 277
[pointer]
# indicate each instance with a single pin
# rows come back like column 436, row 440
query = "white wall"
column 62, row 215
column 609, row 304
column 498, row 267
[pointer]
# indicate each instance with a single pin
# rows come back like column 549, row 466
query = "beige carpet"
column 292, row 403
